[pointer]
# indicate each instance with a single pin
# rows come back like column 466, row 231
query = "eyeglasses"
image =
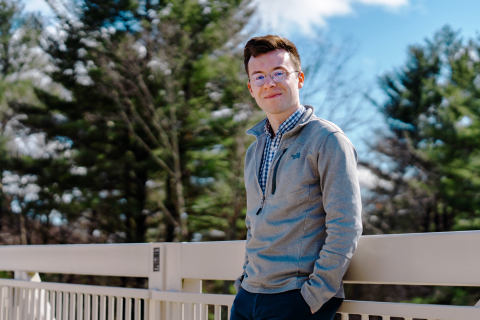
column 258, row 79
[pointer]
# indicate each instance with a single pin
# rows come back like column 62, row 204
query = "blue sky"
column 381, row 29
column 384, row 35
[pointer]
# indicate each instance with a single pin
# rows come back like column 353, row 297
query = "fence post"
column 165, row 275
column 156, row 278
column 166, row 259
column 173, row 279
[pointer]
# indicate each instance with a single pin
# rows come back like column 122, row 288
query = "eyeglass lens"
column 258, row 79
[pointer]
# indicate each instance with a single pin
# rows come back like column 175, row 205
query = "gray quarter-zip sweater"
column 302, row 233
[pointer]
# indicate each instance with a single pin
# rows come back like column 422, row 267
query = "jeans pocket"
column 304, row 305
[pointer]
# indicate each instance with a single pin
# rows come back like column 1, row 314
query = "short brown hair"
column 265, row 44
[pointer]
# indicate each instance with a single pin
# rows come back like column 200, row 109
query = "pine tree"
column 18, row 57
column 432, row 158
column 154, row 96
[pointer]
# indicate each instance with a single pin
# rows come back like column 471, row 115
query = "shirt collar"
column 287, row 125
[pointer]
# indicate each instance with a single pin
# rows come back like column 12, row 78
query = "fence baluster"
column 128, row 309
column 9, row 304
column 34, row 303
column 21, row 305
column 203, row 310
column 87, row 307
column 95, row 307
column 73, row 303
column 218, row 312
column 47, row 307
column 65, row 305
column 146, row 308
column 119, row 308
column 15, row 302
column 137, row 310
column 175, row 310
column 80, row 306
column 14, row 314
column 168, row 309
column 111, row 308
column 38, row 303
column 24, row 304
column 365, row 317
column 4, row 304
column 102, row 307
column 188, row 311
column 31, row 303
column 344, row 316
column 58, row 313
column 229, row 311
column 2, row 297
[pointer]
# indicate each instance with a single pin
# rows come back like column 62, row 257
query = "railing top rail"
column 129, row 260
column 445, row 258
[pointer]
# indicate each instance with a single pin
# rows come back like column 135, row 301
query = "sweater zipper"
column 273, row 183
column 274, row 179
column 263, row 198
column 261, row 205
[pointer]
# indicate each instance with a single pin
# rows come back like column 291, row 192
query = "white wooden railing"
column 175, row 272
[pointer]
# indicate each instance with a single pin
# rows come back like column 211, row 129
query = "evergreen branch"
column 157, row 123
column 167, row 213
column 117, row 83
column 144, row 126
column 145, row 146
column 150, row 105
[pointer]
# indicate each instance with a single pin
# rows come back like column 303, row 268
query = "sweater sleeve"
column 337, row 166
column 239, row 280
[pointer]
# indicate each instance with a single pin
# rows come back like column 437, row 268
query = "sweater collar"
column 259, row 129
column 287, row 125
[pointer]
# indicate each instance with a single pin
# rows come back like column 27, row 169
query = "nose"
column 269, row 82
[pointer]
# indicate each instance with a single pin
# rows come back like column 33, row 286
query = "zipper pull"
column 261, row 205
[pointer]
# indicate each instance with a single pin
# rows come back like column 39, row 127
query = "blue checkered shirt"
column 272, row 143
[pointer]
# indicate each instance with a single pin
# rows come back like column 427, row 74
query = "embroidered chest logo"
column 296, row 156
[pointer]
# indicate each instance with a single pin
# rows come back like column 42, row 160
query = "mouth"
column 273, row 96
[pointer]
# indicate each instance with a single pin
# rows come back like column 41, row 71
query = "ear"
column 301, row 79
column 250, row 89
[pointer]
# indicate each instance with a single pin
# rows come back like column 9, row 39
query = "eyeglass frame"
column 287, row 72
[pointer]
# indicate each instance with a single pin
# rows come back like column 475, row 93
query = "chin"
column 276, row 108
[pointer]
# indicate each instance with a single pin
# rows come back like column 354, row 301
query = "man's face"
column 272, row 97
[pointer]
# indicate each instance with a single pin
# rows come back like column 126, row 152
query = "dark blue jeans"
column 288, row 305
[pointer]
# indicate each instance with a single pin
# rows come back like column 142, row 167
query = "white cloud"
column 280, row 14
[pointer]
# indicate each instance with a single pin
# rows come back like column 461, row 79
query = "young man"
column 303, row 198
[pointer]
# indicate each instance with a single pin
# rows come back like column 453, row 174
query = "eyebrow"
column 276, row 68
